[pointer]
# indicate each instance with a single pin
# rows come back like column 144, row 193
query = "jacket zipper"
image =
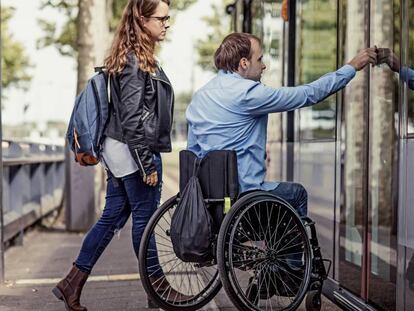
column 140, row 164
column 146, row 114
column 172, row 95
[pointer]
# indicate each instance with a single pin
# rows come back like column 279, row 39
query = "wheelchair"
column 264, row 254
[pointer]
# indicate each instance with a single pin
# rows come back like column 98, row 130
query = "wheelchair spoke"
column 284, row 231
column 278, row 222
column 297, row 235
column 289, row 232
column 285, row 286
column 156, row 265
column 285, row 248
column 289, row 273
column 163, row 237
column 249, row 221
column 157, row 256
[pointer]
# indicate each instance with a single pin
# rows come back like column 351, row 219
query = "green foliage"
column 65, row 39
column 14, row 61
column 317, row 43
column 219, row 26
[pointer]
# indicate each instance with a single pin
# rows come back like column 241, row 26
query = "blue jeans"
column 124, row 196
column 295, row 194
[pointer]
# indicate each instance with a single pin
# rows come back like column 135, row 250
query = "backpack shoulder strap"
column 109, row 88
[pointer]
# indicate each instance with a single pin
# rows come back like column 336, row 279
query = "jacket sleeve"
column 132, row 91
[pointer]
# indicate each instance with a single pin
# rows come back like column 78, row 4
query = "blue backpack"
column 88, row 120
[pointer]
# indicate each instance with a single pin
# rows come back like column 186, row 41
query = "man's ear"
column 244, row 63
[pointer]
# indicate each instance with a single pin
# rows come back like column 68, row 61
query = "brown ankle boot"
column 69, row 289
column 165, row 290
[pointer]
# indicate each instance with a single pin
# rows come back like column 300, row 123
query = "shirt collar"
column 228, row 73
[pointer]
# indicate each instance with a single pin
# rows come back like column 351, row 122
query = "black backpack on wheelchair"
column 263, row 253
column 193, row 230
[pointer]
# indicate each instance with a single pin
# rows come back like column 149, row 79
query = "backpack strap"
column 108, row 88
column 196, row 166
column 100, row 69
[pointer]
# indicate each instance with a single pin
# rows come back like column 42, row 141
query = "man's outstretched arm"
column 261, row 99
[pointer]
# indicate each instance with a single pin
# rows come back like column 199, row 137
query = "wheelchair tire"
column 199, row 283
column 262, row 240
column 313, row 301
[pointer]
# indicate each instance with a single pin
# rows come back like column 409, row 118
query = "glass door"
column 367, row 243
column 354, row 153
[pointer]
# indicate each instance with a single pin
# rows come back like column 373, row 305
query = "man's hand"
column 387, row 56
column 363, row 58
column 152, row 179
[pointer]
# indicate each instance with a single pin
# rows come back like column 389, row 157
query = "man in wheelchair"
column 231, row 111
column 265, row 251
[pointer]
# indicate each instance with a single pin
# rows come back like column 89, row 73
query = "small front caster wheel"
column 313, row 301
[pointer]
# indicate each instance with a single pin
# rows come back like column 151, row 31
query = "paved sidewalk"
column 47, row 254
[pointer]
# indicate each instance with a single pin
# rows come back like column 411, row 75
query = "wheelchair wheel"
column 171, row 283
column 264, row 254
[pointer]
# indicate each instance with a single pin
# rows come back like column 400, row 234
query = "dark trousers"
column 124, row 196
column 295, row 194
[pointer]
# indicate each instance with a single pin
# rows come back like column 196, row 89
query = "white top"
column 117, row 158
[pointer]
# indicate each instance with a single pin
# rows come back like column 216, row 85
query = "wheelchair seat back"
column 217, row 173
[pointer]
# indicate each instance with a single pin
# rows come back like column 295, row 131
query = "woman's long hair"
column 132, row 36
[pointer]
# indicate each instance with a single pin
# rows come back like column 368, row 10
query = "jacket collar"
column 159, row 74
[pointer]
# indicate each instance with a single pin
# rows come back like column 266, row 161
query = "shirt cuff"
column 348, row 70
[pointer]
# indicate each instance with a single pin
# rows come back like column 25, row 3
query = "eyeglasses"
column 162, row 19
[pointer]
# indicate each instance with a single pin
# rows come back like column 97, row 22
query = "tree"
column 92, row 38
column 86, row 32
column 14, row 60
column 65, row 39
column 219, row 26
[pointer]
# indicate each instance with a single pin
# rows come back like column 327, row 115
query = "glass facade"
column 316, row 43
column 383, row 157
column 410, row 64
column 267, row 24
column 368, row 223
column 353, row 139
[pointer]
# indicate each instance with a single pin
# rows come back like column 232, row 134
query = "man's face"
column 255, row 65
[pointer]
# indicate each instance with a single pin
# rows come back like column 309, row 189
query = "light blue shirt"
column 230, row 113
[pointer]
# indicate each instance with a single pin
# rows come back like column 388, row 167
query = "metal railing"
column 33, row 186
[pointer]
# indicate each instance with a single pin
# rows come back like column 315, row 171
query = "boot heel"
column 57, row 293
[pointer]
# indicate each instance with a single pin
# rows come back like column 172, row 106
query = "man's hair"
column 233, row 48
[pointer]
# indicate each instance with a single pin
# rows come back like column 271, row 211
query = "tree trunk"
column 93, row 32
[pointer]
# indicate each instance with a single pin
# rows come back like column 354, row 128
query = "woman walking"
column 137, row 131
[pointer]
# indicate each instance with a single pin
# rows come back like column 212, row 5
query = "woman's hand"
column 152, row 179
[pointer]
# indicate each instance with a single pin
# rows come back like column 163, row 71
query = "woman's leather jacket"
column 141, row 113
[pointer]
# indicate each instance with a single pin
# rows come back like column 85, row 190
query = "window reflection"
column 385, row 33
column 410, row 64
column 316, row 46
column 267, row 24
column 354, row 138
